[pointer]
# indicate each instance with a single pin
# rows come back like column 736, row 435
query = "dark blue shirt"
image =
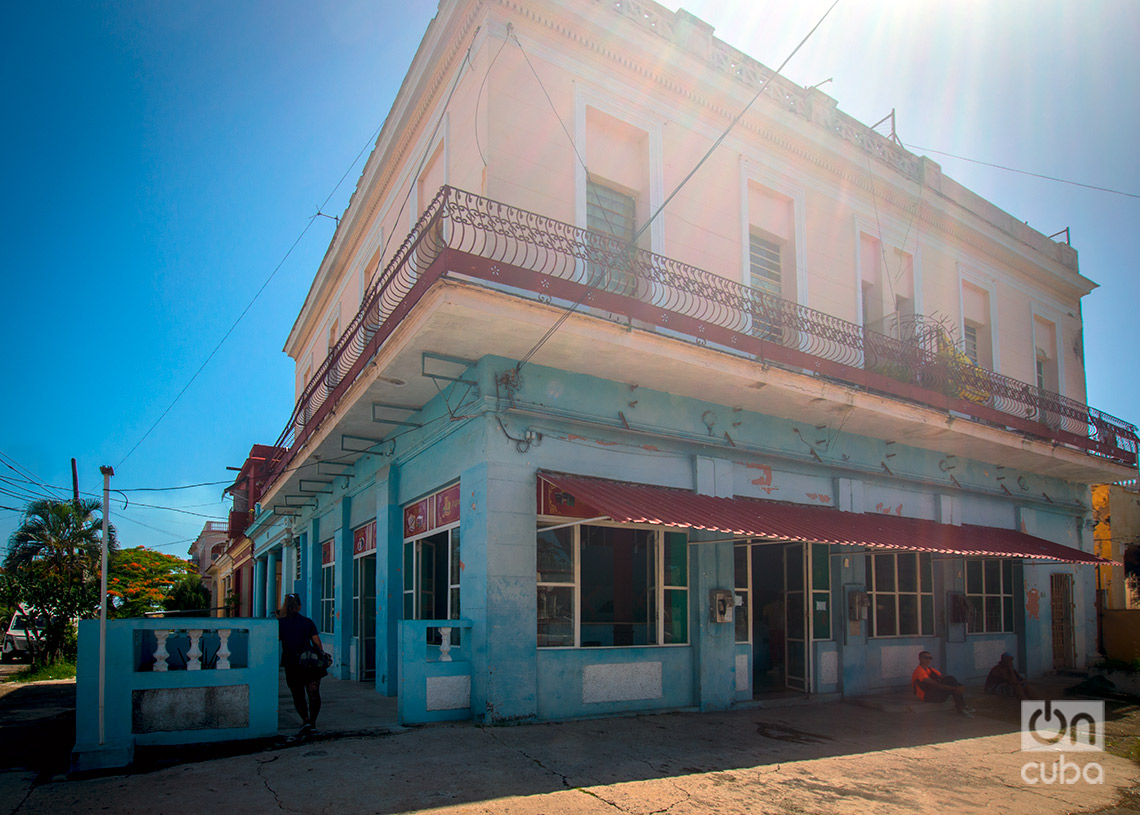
column 295, row 633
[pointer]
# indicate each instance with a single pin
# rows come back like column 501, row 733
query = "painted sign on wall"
column 364, row 539
column 555, row 501
column 433, row 512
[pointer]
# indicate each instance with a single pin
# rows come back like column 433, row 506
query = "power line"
column 914, row 147
column 20, row 469
column 633, row 243
column 253, row 300
column 181, row 487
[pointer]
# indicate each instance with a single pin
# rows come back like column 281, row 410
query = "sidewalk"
column 830, row 758
column 347, row 709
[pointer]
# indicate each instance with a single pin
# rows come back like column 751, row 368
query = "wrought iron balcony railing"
column 463, row 233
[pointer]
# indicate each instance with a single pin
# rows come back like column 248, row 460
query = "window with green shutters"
column 612, row 213
column 765, row 266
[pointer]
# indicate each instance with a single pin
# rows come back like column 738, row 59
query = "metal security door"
column 1061, row 604
column 797, row 566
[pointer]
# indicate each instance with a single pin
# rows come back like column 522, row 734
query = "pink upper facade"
column 546, row 105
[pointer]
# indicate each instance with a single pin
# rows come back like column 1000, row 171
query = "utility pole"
column 74, row 483
column 107, row 473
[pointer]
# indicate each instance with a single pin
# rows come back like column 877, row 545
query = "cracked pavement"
column 820, row 758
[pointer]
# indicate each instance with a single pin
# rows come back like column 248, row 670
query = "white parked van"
column 24, row 626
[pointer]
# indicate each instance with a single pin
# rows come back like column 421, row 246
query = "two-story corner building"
column 566, row 444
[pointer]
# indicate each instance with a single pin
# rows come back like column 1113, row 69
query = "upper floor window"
column 970, row 336
column 766, row 276
column 611, row 212
column 977, row 326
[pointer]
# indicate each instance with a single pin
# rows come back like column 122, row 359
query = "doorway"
column 1061, row 604
column 780, row 631
column 364, row 615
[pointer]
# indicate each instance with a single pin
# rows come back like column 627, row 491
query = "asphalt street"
column 832, row 757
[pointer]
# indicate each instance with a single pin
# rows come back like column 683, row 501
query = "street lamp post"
column 107, row 473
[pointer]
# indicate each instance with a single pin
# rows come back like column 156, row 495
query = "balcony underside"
column 466, row 319
column 675, row 328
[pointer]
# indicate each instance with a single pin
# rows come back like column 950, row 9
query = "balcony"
column 462, row 236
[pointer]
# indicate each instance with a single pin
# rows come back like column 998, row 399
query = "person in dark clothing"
column 297, row 634
column 1004, row 680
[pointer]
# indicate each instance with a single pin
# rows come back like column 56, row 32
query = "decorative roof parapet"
column 696, row 37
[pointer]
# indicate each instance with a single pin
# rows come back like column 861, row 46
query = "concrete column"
column 311, row 595
column 711, row 567
column 497, row 588
column 342, row 607
column 271, row 598
column 389, row 581
column 258, row 587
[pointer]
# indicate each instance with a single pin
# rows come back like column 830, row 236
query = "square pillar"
column 389, row 581
column 342, row 586
column 270, row 582
column 258, row 587
column 498, row 588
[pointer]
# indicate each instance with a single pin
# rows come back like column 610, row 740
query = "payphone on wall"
column 721, row 602
column 858, row 606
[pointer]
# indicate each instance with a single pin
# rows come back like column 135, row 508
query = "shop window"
column 601, row 586
column 820, row 591
column 742, row 582
column 901, row 586
column 989, row 592
column 431, row 577
column 328, row 598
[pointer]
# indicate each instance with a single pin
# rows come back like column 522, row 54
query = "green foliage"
column 61, row 669
column 1109, row 664
column 188, row 594
column 142, row 580
column 232, row 604
column 52, row 566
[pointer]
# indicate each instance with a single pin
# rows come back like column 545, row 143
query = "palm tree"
column 62, row 537
column 52, row 563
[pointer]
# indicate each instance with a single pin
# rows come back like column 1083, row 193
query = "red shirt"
column 919, row 676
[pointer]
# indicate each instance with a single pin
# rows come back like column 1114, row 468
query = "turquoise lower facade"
column 454, row 509
column 173, row 681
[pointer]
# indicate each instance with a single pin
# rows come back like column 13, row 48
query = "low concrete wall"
column 167, row 682
column 434, row 687
column 1121, row 632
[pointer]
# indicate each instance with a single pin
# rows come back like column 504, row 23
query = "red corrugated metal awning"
column 773, row 520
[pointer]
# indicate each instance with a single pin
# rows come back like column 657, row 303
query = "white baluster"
column 444, row 644
column 223, row 663
column 194, row 655
column 160, row 652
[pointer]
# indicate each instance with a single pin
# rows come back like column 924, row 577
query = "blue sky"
column 160, row 159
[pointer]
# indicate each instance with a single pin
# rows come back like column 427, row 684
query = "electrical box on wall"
column 858, row 606
column 721, row 602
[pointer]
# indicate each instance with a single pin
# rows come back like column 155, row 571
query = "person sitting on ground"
column 297, row 634
column 930, row 685
column 1004, row 680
